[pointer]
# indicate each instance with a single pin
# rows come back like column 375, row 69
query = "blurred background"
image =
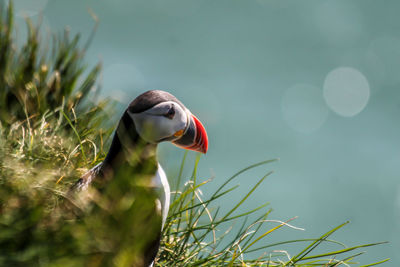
column 313, row 82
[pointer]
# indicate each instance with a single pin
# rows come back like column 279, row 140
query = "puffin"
column 151, row 118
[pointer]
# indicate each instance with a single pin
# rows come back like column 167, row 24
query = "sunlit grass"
column 51, row 133
column 193, row 237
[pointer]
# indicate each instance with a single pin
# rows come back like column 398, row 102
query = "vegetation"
column 51, row 132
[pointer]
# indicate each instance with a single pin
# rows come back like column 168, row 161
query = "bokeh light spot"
column 346, row 91
column 303, row 108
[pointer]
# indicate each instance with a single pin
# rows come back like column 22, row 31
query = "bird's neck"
column 129, row 152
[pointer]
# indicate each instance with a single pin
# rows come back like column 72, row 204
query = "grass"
column 191, row 237
column 51, row 132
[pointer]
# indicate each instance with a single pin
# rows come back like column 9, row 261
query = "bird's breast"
column 160, row 182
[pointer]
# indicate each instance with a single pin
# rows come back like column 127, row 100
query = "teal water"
column 314, row 83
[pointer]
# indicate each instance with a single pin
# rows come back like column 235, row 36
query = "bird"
column 153, row 117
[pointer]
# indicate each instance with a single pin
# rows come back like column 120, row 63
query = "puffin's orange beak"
column 201, row 140
column 195, row 137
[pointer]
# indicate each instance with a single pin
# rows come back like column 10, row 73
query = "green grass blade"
column 267, row 233
column 337, row 252
column 295, row 241
column 309, row 248
column 242, row 171
column 246, row 196
column 76, row 133
column 375, row 263
column 178, row 181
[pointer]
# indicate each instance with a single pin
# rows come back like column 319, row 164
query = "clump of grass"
column 35, row 81
column 51, row 133
column 191, row 237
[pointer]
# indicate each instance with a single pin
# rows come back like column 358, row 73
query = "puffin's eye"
column 170, row 114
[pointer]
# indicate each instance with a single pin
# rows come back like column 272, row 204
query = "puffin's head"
column 158, row 116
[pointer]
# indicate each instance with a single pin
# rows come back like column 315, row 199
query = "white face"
column 165, row 121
